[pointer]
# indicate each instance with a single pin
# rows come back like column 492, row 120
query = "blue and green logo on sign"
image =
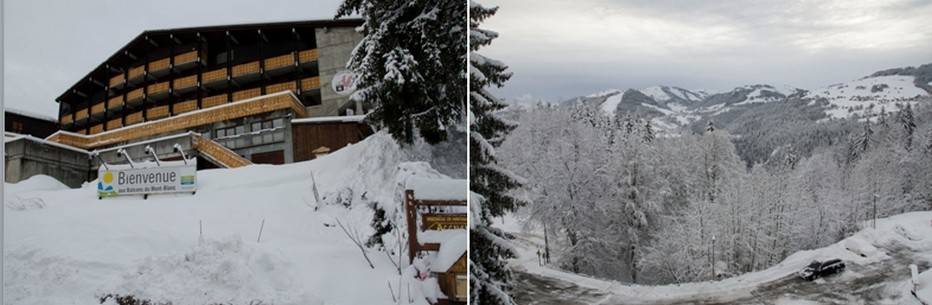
column 105, row 185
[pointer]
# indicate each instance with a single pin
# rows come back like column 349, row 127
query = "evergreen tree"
column 861, row 143
column 710, row 126
column 490, row 279
column 648, row 132
column 411, row 65
column 908, row 120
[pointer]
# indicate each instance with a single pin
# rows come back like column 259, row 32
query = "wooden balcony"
column 215, row 75
column 115, row 102
column 307, row 55
column 185, row 106
column 97, row 129
column 66, row 119
column 159, row 65
column 157, row 112
column 185, row 82
column 97, row 108
column 158, row 88
column 245, row 69
column 134, row 118
column 185, row 58
column 279, row 61
column 81, row 114
column 245, row 94
column 136, row 72
column 310, row 83
column 215, row 100
column 114, row 124
column 134, row 95
column 280, row 87
column 117, row 80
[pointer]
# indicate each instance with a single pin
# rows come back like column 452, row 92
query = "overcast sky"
column 560, row 49
column 48, row 45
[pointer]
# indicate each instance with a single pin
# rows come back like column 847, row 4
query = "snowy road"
column 881, row 283
column 535, row 289
column 882, row 277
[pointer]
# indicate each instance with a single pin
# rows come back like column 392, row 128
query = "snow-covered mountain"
column 868, row 95
column 673, row 107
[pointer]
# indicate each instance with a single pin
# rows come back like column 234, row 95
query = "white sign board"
column 152, row 180
column 344, row 82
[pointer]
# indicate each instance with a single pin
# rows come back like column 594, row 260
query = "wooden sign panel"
column 440, row 222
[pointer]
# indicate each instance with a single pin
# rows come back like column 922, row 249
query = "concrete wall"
column 26, row 158
column 335, row 45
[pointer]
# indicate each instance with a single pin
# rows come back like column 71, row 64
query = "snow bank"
column 205, row 247
column 438, row 189
column 27, row 194
column 240, row 272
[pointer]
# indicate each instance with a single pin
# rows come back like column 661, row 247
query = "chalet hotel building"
column 230, row 95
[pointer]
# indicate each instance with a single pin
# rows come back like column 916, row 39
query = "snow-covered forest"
column 619, row 201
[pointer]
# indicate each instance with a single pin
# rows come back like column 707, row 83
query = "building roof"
column 142, row 38
column 30, row 114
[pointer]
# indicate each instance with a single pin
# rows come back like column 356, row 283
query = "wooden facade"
column 165, row 73
column 272, row 157
column 22, row 123
column 308, row 137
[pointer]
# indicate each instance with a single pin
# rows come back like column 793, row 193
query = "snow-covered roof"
column 326, row 119
column 30, row 114
column 10, row 137
column 452, row 245
column 437, row 189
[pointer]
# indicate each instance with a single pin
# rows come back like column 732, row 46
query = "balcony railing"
column 114, row 124
column 157, row 112
column 115, row 102
column 307, row 55
column 185, row 106
column 97, row 128
column 245, row 69
column 81, row 114
column 134, row 118
column 97, row 108
column 215, row 100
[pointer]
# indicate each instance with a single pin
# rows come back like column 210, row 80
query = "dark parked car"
column 818, row 269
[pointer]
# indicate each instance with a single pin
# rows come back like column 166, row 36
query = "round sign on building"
column 344, row 82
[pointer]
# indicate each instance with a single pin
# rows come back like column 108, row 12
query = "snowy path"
column 880, row 277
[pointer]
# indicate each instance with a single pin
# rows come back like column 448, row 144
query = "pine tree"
column 411, row 65
column 490, row 277
column 861, row 143
column 648, row 132
column 710, row 126
column 908, row 120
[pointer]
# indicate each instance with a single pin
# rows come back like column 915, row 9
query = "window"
column 230, row 131
column 461, row 284
column 18, row 127
column 267, row 125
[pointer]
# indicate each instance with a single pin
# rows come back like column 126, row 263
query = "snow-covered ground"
column 876, row 258
column 611, row 103
column 64, row 246
column 858, row 96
